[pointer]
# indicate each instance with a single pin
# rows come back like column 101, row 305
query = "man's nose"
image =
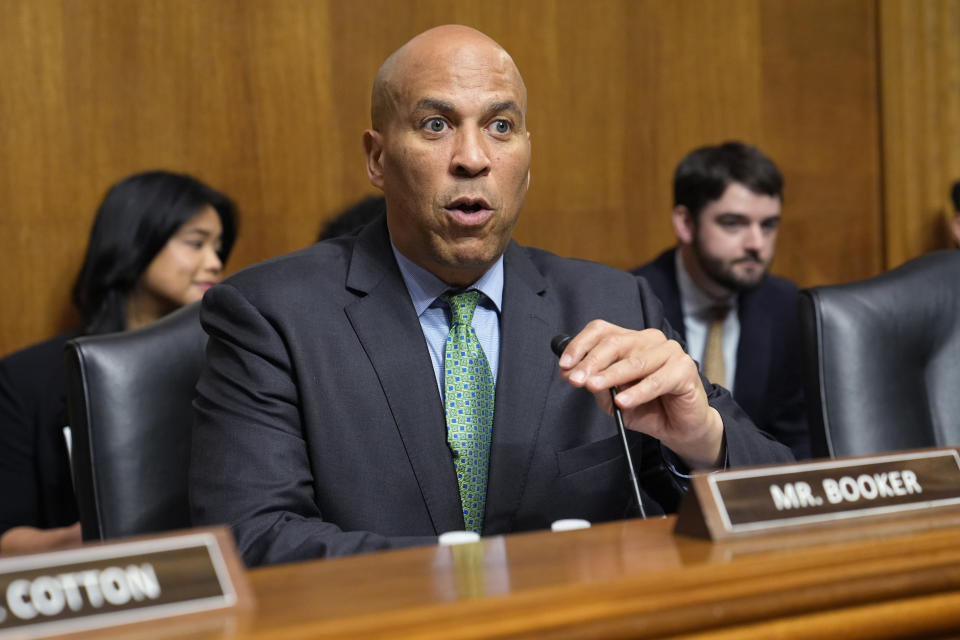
column 755, row 237
column 470, row 157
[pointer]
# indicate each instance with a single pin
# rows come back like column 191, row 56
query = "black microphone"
column 558, row 344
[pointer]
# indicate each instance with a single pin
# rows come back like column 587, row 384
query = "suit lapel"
column 527, row 365
column 662, row 276
column 389, row 330
column 753, row 353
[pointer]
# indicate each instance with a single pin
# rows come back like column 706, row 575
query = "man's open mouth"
column 468, row 205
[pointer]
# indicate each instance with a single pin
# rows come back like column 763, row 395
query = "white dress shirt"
column 696, row 306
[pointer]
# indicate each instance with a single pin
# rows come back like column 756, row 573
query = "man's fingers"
column 583, row 343
column 600, row 346
column 630, row 368
column 676, row 376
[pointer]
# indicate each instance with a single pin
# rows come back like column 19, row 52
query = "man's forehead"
column 453, row 63
column 460, row 70
column 448, row 40
column 738, row 196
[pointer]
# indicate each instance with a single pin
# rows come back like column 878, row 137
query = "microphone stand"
column 558, row 344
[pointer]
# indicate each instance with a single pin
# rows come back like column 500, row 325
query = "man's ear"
column 373, row 149
column 683, row 224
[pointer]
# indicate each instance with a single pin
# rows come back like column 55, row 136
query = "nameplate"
column 737, row 503
column 105, row 585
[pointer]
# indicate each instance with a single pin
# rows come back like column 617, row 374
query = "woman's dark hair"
column 136, row 218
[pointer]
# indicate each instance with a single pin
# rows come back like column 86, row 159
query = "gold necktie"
column 713, row 366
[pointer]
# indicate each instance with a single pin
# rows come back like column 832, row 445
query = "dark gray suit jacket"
column 320, row 429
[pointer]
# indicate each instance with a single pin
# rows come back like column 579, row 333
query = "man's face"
column 453, row 158
column 735, row 237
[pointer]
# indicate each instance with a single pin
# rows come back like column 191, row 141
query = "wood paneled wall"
column 920, row 61
column 267, row 101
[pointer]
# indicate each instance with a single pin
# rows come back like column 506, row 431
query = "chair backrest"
column 129, row 397
column 882, row 359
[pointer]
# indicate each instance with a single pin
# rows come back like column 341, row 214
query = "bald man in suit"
column 323, row 416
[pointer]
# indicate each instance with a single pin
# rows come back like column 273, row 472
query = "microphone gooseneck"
column 559, row 344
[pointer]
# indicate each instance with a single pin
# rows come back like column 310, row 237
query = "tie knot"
column 462, row 305
column 719, row 312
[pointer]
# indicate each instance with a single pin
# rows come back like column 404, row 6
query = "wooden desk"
column 631, row 579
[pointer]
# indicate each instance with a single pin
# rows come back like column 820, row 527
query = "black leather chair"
column 882, row 359
column 129, row 397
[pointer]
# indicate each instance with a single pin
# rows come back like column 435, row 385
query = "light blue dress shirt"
column 424, row 289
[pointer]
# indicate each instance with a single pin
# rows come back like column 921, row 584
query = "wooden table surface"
column 629, row 579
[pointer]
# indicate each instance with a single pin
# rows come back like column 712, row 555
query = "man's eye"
column 435, row 125
column 501, row 126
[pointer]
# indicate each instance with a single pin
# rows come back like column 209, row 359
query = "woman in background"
column 158, row 242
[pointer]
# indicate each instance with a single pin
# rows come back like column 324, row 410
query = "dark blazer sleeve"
column 745, row 444
column 18, row 465
column 249, row 465
column 769, row 386
column 34, row 468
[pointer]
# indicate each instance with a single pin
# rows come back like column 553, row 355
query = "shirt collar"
column 693, row 299
column 424, row 287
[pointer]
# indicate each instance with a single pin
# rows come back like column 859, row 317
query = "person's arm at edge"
column 25, row 539
column 661, row 392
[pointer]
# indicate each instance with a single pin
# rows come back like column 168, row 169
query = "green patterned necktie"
column 468, row 396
